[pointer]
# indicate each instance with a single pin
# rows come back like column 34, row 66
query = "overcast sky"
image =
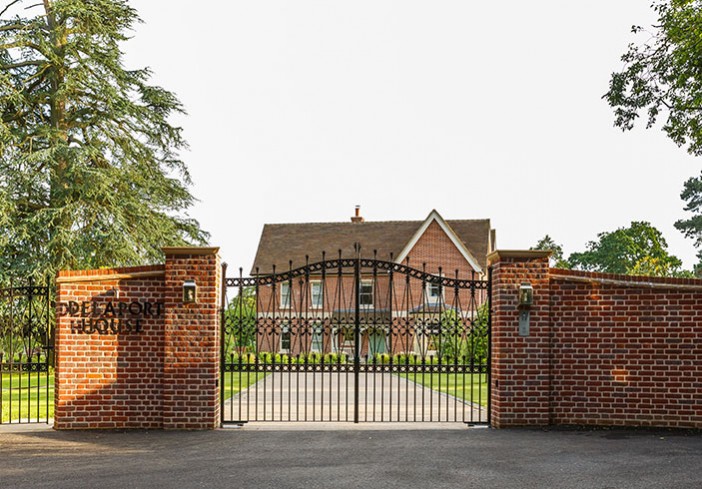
column 299, row 110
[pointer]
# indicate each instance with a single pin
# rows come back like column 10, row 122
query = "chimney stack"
column 357, row 218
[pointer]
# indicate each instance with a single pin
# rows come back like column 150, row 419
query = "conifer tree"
column 90, row 172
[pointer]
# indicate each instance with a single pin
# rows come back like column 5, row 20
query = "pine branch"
column 21, row 64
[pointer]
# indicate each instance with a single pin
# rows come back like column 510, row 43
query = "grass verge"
column 26, row 397
column 469, row 387
column 234, row 382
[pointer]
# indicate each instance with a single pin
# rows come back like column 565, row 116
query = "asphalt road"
column 366, row 456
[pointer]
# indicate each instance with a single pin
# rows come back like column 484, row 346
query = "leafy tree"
column 455, row 344
column 663, row 75
column 692, row 227
column 639, row 249
column 240, row 323
column 556, row 259
column 663, row 78
column 90, row 173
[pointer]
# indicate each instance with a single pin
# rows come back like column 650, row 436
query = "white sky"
column 299, row 110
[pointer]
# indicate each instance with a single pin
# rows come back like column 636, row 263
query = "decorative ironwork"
column 26, row 353
column 261, row 279
column 356, row 339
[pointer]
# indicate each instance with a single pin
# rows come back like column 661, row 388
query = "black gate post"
column 222, row 332
column 49, row 341
column 489, row 352
column 357, row 332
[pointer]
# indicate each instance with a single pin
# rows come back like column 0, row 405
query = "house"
column 305, row 308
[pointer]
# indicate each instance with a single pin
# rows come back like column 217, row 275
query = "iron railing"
column 26, row 353
column 356, row 339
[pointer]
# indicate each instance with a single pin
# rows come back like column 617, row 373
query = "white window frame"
column 285, row 295
column 317, row 345
column 285, row 330
column 365, row 283
column 316, row 304
column 335, row 339
column 431, row 298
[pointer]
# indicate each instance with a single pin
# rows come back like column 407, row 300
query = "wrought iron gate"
column 26, row 354
column 356, row 340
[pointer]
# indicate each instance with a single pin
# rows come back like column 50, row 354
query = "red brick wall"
column 109, row 380
column 626, row 351
column 192, row 334
column 165, row 375
column 519, row 365
column 603, row 349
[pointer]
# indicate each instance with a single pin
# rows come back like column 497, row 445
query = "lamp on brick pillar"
column 189, row 292
column 191, row 367
column 520, row 356
column 526, row 299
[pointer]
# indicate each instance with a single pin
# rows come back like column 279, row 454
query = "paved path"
column 330, row 397
column 362, row 457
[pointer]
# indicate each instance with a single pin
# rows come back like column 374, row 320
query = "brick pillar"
column 520, row 364
column 191, row 343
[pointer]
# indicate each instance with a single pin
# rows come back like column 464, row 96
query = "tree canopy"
column 556, row 259
column 90, row 171
column 639, row 249
column 662, row 76
column 692, row 226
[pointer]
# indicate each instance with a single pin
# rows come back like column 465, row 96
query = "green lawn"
column 21, row 399
column 236, row 381
column 469, row 387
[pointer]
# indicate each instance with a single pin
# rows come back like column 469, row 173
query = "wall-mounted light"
column 526, row 295
column 189, row 292
column 526, row 299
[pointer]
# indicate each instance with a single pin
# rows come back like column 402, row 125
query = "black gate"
column 26, row 354
column 356, row 340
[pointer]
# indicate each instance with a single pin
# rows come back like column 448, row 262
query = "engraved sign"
column 109, row 317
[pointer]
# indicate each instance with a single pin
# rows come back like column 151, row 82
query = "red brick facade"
column 435, row 251
column 129, row 354
column 603, row 349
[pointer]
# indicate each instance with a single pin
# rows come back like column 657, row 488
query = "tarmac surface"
column 350, row 456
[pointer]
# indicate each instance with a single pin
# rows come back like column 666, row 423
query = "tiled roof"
column 281, row 243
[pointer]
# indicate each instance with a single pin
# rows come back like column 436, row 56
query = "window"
column 285, row 295
column 365, row 296
column 317, row 295
column 434, row 293
column 285, row 338
column 317, row 338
